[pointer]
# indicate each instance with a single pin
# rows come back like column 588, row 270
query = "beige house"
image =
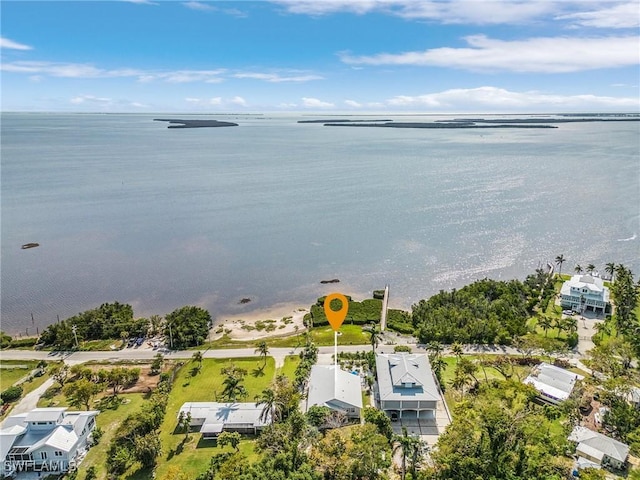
column 599, row 449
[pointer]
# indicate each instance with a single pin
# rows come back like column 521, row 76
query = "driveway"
column 30, row 400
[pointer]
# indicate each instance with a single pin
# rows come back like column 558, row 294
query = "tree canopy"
column 487, row 311
column 187, row 327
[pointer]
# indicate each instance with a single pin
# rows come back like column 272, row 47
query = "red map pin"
column 336, row 317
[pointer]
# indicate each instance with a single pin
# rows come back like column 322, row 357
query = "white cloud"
column 141, row 2
column 239, row 101
column 275, row 78
column 215, row 101
column 315, row 103
column 607, row 15
column 203, row 7
column 79, row 70
column 352, row 103
column 11, row 45
column 544, row 55
column 497, row 99
column 600, row 13
column 187, row 76
column 457, row 11
column 91, row 99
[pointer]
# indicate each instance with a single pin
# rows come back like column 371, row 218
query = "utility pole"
column 73, row 329
column 170, row 337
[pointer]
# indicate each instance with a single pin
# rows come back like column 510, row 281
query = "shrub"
column 402, row 348
column 23, row 342
column 11, row 394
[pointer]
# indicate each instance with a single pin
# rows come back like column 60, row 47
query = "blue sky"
column 350, row 56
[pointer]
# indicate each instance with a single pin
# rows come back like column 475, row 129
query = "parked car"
column 568, row 312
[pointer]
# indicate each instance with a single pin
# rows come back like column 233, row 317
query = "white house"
column 584, row 292
column 599, row 449
column 336, row 389
column 44, row 440
column 406, row 386
column 555, row 384
column 214, row 417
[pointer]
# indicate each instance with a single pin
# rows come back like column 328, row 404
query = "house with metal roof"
column 554, row 384
column 332, row 387
column 46, row 440
column 406, row 387
column 585, row 292
column 599, row 449
column 212, row 418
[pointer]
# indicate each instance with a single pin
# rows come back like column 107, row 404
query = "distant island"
column 194, row 123
column 341, row 120
column 436, row 125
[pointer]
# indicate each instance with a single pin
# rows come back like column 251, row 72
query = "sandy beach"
column 278, row 320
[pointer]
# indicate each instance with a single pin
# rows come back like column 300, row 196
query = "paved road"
column 277, row 353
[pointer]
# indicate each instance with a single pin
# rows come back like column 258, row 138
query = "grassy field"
column 9, row 376
column 13, row 370
column 491, row 372
column 109, row 420
column 291, row 362
column 321, row 336
column 193, row 458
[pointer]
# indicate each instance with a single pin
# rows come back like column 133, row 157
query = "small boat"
column 30, row 245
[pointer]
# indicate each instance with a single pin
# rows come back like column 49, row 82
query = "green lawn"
column 206, row 386
column 13, row 370
column 492, row 373
column 321, row 336
column 17, row 371
column 109, row 420
column 93, row 345
column 291, row 362
column 532, row 325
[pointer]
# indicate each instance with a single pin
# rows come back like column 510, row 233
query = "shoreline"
column 279, row 319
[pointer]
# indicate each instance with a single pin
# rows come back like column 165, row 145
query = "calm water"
column 125, row 209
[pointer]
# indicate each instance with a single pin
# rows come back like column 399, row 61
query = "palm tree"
column 559, row 261
column 197, row 357
column 590, row 268
column 269, row 401
column 407, row 445
column 610, row 268
column 570, row 324
column 457, row 350
column 578, row 269
column 545, row 324
column 376, row 336
column 263, row 350
column 233, row 388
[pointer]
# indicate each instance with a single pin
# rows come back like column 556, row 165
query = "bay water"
column 127, row 210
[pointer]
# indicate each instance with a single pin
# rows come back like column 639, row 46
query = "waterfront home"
column 554, row 384
column 332, row 387
column 406, row 386
column 585, row 292
column 45, row 440
column 599, row 449
column 212, row 418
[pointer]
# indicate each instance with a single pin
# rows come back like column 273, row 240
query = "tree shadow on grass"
column 141, row 474
column 109, row 403
column 258, row 372
column 207, row 442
